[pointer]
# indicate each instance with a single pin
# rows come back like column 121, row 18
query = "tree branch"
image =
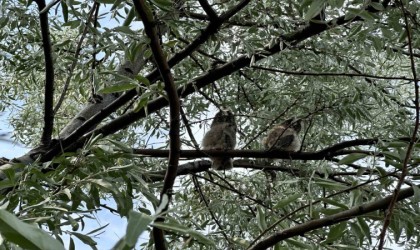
column 174, row 106
column 330, row 220
column 76, row 57
column 344, row 74
column 49, row 76
column 404, row 172
column 327, row 153
column 209, row 10
column 213, row 216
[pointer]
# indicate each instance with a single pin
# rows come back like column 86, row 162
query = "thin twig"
column 93, row 66
column 345, row 74
column 270, row 124
column 188, row 128
column 213, row 216
column 330, row 220
column 311, row 204
column 76, row 57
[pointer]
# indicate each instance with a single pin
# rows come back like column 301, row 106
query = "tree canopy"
column 113, row 98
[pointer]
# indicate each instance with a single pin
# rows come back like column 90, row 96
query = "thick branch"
column 209, row 10
column 271, row 154
column 327, row 153
column 49, row 76
column 174, row 107
column 329, row 220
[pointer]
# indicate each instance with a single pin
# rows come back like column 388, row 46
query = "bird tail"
column 221, row 163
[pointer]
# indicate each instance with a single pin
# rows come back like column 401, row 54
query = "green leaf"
column 334, row 203
column 65, row 10
column 314, row 9
column 377, row 6
column 329, row 184
column 124, row 147
column 142, row 79
column 3, row 21
column 163, row 4
column 201, row 237
column 102, row 183
column 118, row 88
column 26, row 235
column 416, row 197
column 129, row 17
column 72, row 24
column 367, row 16
column 355, row 30
column 177, row 228
column 358, row 232
column 142, row 102
column 336, row 232
column 352, row 158
column 298, row 244
column 71, row 244
column 97, row 229
column 137, row 224
column 397, row 144
column 284, row 202
column 125, row 30
column 365, row 228
column 85, row 239
column 262, row 224
column 241, row 242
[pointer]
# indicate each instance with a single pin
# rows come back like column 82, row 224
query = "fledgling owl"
column 284, row 136
column 221, row 136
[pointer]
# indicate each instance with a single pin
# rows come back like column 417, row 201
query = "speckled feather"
column 284, row 136
column 221, row 136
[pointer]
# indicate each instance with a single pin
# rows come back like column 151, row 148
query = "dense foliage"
column 347, row 68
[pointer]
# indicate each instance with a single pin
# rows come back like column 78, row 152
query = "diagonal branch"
column 174, row 112
column 330, row 220
column 188, row 128
column 213, row 216
column 49, row 76
column 209, row 10
column 93, row 10
column 404, row 172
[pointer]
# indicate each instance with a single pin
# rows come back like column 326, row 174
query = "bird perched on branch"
column 284, row 136
column 221, row 136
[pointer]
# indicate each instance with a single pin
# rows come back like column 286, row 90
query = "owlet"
column 221, row 136
column 284, row 136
